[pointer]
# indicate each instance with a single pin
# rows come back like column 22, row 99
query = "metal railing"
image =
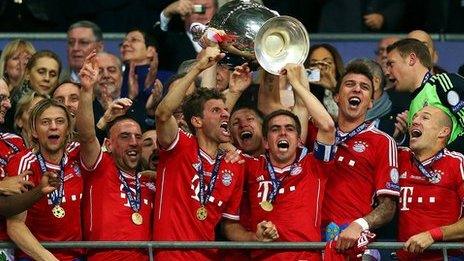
column 151, row 245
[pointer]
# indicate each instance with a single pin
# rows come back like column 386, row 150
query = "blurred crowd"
column 324, row 16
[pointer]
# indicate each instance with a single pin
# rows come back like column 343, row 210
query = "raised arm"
column 269, row 93
column 326, row 126
column 166, row 125
column 90, row 147
column 239, row 81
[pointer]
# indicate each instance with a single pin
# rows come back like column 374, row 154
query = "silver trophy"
column 257, row 34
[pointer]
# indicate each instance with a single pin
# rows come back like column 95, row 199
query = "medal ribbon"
column 57, row 194
column 134, row 200
column 203, row 194
column 4, row 160
column 339, row 139
column 423, row 170
column 276, row 183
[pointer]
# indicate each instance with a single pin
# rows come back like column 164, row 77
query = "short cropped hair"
column 357, row 67
column 88, row 24
column 280, row 112
column 409, row 45
column 194, row 104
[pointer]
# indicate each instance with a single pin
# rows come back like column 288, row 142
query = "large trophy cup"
column 257, row 34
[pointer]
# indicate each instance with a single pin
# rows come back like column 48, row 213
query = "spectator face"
column 323, row 59
column 5, row 104
column 381, row 52
column 150, row 150
column 51, row 130
column 21, row 122
column 81, row 41
column 16, row 65
column 400, row 73
column 282, row 139
column 43, row 76
column 110, row 75
column 210, row 10
column 222, row 77
column 427, row 128
column 246, row 130
column 135, row 50
column 68, row 94
column 354, row 96
column 125, row 144
column 215, row 121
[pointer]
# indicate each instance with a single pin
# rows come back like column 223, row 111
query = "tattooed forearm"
column 383, row 213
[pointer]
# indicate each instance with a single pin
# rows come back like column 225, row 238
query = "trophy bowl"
column 258, row 35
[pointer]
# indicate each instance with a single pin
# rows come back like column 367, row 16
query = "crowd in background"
column 318, row 16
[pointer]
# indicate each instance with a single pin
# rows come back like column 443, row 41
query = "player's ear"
column 444, row 132
column 107, row 144
column 196, row 122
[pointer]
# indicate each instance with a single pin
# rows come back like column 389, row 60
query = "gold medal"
column 266, row 206
column 58, row 211
column 137, row 218
column 202, row 213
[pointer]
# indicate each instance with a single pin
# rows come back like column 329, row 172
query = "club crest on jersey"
column 360, row 146
column 394, row 176
column 226, row 177
column 404, row 175
column 296, row 170
column 436, row 176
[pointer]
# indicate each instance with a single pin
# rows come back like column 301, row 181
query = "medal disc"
column 266, row 206
column 137, row 218
column 202, row 213
column 58, row 211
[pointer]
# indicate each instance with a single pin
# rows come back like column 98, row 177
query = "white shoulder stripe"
column 25, row 162
column 458, row 156
column 392, row 148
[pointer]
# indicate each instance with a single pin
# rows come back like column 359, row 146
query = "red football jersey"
column 365, row 165
column 297, row 205
column 9, row 143
column 107, row 212
column 177, row 202
column 425, row 204
column 40, row 220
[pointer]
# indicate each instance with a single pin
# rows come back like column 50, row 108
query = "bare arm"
column 269, row 93
column 234, row 231
column 166, row 125
column 90, row 147
column 383, row 213
column 419, row 242
column 239, row 81
column 24, row 239
column 322, row 119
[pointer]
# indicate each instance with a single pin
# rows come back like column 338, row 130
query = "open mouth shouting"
column 54, row 138
column 415, row 133
column 246, row 135
column 354, row 102
column 283, row 145
column 225, row 128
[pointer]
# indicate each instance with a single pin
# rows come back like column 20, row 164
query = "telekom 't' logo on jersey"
column 195, row 186
column 407, row 197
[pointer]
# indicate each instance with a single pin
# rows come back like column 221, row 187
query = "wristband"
column 436, row 233
column 323, row 151
column 363, row 223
